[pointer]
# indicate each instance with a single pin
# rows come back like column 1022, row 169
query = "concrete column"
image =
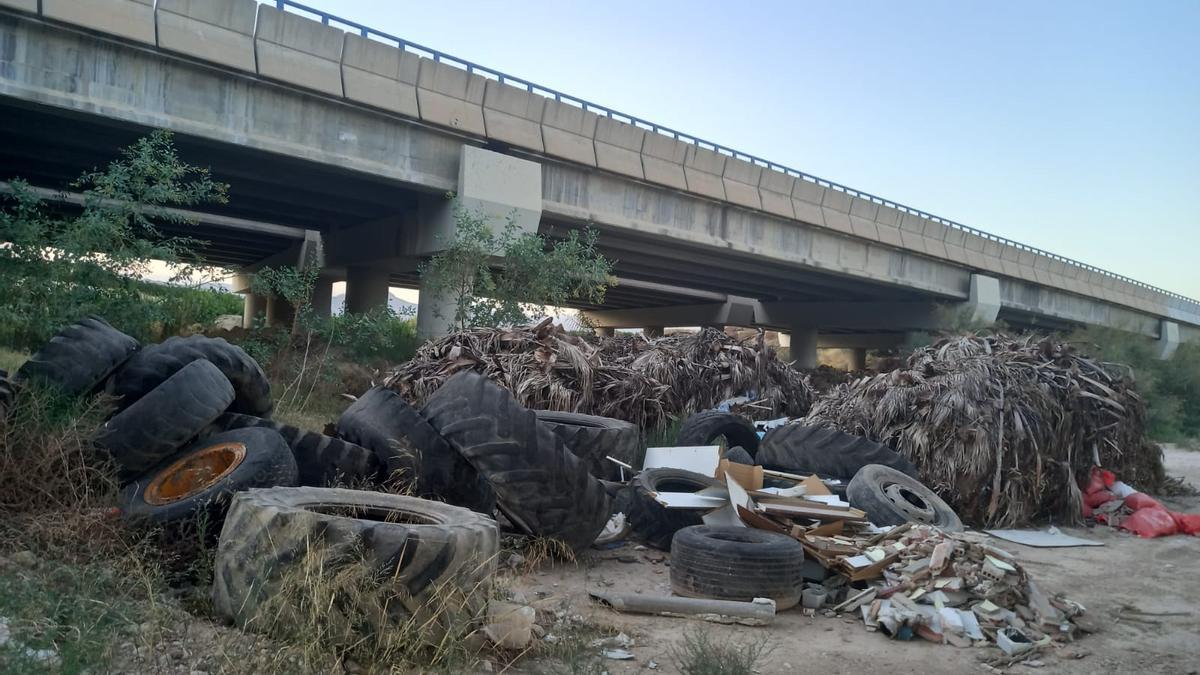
column 252, row 306
column 322, row 296
column 652, row 332
column 280, row 312
column 435, row 314
column 366, row 288
column 983, row 300
column 606, row 331
column 858, row 358
column 803, row 345
column 1168, row 339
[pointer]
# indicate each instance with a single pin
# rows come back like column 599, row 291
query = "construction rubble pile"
column 644, row 382
column 538, row 434
column 1005, row 428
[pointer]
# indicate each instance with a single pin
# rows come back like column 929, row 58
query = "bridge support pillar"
column 252, row 306
column 803, row 345
column 1168, row 339
column 322, row 296
column 366, row 288
column 280, row 312
column 435, row 314
column 652, row 332
column 983, row 300
column 606, row 331
column 858, row 358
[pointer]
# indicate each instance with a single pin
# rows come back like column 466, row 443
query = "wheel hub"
column 195, row 473
column 909, row 503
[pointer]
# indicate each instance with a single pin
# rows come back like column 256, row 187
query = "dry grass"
column 702, row 654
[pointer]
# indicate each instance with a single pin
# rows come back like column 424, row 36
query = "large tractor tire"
column 708, row 426
column 321, row 460
column 410, row 450
column 396, row 558
column 80, row 358
column 540, row 486
column 593, row 439
column 153, row 429
column 652, row 522
column 825, row 451
column 156, row 363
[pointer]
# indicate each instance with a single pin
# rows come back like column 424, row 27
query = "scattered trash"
column 1107, row 500
column 510, row 626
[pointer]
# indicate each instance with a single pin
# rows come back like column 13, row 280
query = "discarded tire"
column 540, row 486
column 738, row 455
column 892, row 498
column 416, row 557
column 652, row 522
column 321, row 460
column 737, row 563
column 80, row 357
column 407, row 447
column 156, row 363
column 822, row 450
column 161, row 422
column 592, row 438
column 709, row 425
column 202, row 480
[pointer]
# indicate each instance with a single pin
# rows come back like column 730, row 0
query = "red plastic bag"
column 1150, row 523
column 1188, row 523
column 1099, row 480
column 1094, row 499
column 1140, row 500
column 1087, row 510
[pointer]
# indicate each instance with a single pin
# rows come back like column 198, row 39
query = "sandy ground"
column 1159, row 578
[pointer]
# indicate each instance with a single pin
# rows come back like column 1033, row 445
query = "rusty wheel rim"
column 194, row 473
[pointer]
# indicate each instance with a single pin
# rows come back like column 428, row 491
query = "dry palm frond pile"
column 643, row 382
column 1004, row 428
column 707, row 367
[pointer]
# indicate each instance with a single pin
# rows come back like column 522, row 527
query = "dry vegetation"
column 1005, row 428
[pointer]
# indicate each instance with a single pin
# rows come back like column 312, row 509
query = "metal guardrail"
column 504, row 78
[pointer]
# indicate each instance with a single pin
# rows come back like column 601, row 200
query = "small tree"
column 55, row 267
column 508, row 277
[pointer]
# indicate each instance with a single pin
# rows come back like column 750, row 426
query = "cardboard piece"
column 701, row 459
column 749, row 477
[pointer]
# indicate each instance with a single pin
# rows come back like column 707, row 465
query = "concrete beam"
column 1168, row 339
column 865, row 316
column 219, row 31
column 861, row 340
column 451, row 97
column 671, row 289
column 983, row 300
column 568, row 132
column 513, row 115
column 30, row 6
column 673, row 315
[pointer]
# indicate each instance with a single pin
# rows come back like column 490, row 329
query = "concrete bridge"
column 341, row 142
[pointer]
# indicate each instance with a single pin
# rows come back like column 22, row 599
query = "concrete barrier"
column 380, row 75
column 294, row 49
column 619, row 147
column 662, row 160
column 567, row 132
column 220, row 31
column 740, row 180
column 451, row 97
column 132, row 19
column 30, row 6
column 703, row 168
column 513, row 115
column 835, row 206
column 775, row 193
column 806, row 201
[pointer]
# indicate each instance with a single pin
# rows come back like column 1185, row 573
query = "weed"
column 700, row 654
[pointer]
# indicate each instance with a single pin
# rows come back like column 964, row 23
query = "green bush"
column 378, row 335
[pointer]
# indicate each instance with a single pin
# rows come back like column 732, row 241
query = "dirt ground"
column 1141, row 593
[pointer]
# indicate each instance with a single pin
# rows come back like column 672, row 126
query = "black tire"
column 321, row 460
column 798, row 448
column 737, row 563
column 430, row 551
column 892, row 498
column 406, row 446
column 161, row 422
column 738, row 455
column 156, row 363
column 183, row 489
column 706, row 426
column 540, row 486
column 652, row 522
column 592, row 438
column 80, row 358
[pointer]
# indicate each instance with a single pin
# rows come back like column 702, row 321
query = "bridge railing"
column 504, row 78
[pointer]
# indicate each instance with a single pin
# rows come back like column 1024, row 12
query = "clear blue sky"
column 1072, row 126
